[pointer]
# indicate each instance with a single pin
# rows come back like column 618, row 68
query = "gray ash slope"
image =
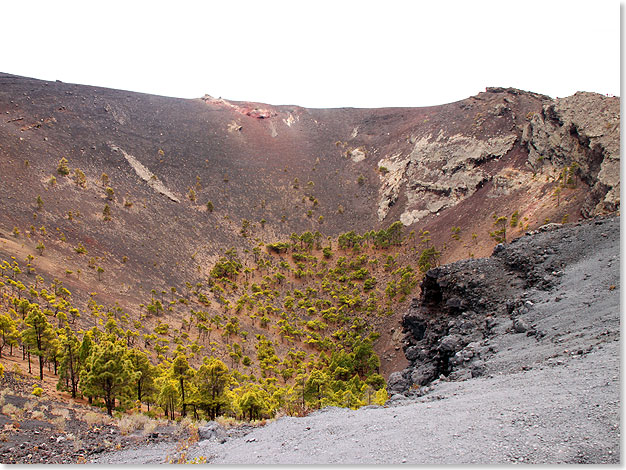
column 534, row 379
column 463, row 304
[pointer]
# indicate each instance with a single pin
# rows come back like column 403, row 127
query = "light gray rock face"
column 436, row 169
column 439, row 172
column 445, row 170
column 584, row 129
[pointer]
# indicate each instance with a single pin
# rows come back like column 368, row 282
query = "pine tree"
column 40, row 247
column 62, row 168
column 38, row 334
column 213, row 380
column 145, row 381
column 70, row 363
column 54, row 350
column 8, row 331
column 499, row 235
column 181, row 372
column 316, row 385
column 86, row 346
column 365, row 359
column 79, row 178
column 108, row 372
column 251, row 403
column 428, row 258
column 167, row 394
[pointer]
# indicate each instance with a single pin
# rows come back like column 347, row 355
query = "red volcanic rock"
column 246, row 109
column 255, row 112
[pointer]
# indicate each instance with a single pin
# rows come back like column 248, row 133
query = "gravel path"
column 553, row 399
column 562, row 414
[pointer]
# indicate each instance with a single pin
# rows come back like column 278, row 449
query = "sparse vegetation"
column 333, row 301
column 79, row 178
column 499, row 232
column 63, row 169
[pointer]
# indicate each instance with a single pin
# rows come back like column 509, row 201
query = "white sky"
column 318, row 53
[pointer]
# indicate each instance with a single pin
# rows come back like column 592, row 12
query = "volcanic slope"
column 133, row 203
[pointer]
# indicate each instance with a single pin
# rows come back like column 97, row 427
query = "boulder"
column 520, row 326
column 212, row 431
column 397, row 397
column 424, row 374
column 477, row 368
column 412, row 353
column 455, row 304
column 450, row 343
column 414, row 325
column 397, row 383
column 460, row 375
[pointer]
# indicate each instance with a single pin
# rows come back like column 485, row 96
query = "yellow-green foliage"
column 381, row 396
column 62, row 168
column 289, row 329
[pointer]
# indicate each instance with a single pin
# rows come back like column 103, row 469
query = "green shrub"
column 62, row 168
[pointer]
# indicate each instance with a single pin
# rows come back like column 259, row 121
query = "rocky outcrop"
column 448, row 330
column 447, row 327
column 439, row 172
column 583, row 129
column 508, row 138
column 247, row 109
column 443, row 171
column 146, row 175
